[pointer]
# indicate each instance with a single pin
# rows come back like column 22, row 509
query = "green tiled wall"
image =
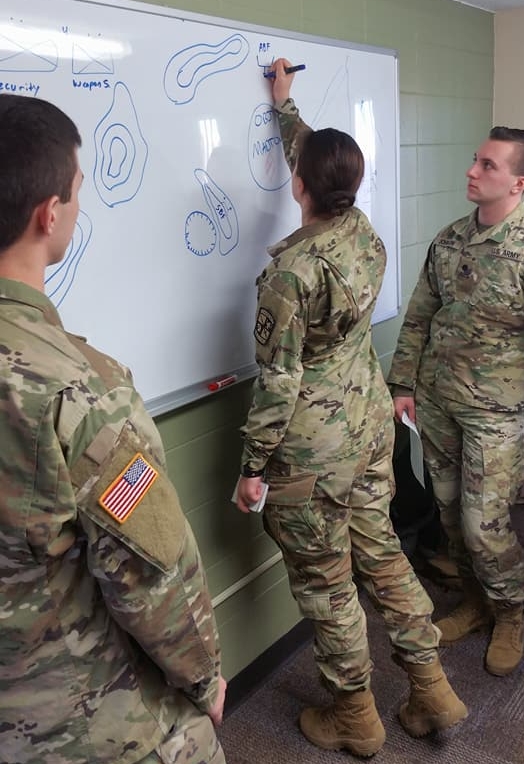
column 446, row 82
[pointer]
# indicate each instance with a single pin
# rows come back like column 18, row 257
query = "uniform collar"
column 17, row 291
column 497, row 232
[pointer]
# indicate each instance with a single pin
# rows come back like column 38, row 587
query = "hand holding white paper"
column 415, row 446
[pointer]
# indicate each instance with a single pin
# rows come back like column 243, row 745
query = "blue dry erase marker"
column 287, row 69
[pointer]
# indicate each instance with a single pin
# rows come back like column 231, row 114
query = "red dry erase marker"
column 222, row 382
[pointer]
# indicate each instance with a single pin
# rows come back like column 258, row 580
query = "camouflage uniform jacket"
column 463, row 333
column 102, row 624
column 319, row 377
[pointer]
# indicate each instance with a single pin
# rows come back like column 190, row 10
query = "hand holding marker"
column 287, row 69
column 225, row 381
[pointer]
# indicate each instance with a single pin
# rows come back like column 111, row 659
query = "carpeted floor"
column 264, row 730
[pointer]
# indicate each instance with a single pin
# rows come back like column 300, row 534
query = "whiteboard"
column 185, row 180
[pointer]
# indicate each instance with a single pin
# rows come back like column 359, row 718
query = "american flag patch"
column 129, row 488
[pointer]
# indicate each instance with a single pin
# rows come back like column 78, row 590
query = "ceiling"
column 494, row 5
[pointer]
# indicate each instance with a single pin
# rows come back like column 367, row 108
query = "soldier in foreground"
column 321, row 431
column 108, row 645
column 460, row 359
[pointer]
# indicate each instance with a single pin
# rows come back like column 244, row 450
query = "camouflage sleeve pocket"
column 155, row 529
column 291, row 490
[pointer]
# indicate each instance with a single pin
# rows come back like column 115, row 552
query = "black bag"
column 413, row 511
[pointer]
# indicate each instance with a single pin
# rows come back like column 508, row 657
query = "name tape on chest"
column 505, row 254
column 127, row 490
column 448, row 243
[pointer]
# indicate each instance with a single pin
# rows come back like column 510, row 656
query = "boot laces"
column 509, row 616
column 329, row 715
column 338, row 711
column 508, row 627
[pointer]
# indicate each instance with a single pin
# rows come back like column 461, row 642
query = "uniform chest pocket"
column 476, row 279
column 446, row 263
column 499, row 291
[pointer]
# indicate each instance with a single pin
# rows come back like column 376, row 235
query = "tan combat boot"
column 507, row 641
column 352, row 722
column 472, row 614
column 432, row 703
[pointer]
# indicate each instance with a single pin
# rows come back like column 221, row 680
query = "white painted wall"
column 508, row 100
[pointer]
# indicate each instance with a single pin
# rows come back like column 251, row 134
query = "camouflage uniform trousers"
column 193, row 741
column 476, row 461
column 333, row 521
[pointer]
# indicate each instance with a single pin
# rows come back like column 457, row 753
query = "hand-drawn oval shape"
column 60, row 280
column 264, row 148
column 222, row 211
column 121, row 150
column 190, row 66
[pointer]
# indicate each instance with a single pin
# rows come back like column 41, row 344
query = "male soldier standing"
column 460, row 356
column 108, row 645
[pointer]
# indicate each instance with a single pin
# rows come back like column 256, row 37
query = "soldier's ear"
column 46, row 214
column 519, row 185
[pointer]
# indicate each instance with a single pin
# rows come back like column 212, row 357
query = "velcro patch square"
column 127, row 491
column 264, row 325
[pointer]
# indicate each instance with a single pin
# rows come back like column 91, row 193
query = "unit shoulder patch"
column 264, row 325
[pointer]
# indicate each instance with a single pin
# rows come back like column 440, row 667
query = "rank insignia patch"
column 128, row 489
column 264, row 325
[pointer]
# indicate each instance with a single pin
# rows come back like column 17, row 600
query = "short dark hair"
column 37, row 160
column 511, row 135
column 331, row 166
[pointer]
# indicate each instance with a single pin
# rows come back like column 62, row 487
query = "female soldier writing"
column 320, row 431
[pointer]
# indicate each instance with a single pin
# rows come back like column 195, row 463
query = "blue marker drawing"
column 337, row 95
column 121, row 150
column 61, row 278
column 200, row 234
column 366, row 137
column 29, row 56
column 267, row 63
column 266, row 160
column 191, row 66
column 337, row 99
column 265, row 155
column 86, row 62
column 223, row 213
